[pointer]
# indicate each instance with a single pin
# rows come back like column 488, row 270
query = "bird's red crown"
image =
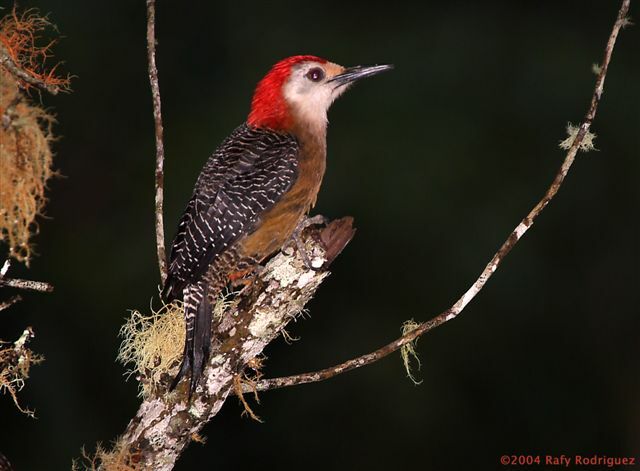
column 268, row 107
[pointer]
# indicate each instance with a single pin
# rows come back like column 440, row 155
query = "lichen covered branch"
column 8, row 63
column 23, row 53
column 166, row 422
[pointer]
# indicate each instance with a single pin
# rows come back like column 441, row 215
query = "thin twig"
column 26, row 284
column 8, row 63
column 497, row 259
column 10, row 302
column 157, row 116
column 21, row 284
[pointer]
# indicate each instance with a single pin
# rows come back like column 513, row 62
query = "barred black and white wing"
column 250, row 171
column 246, row 176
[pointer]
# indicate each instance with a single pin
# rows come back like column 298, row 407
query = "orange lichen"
column 25, row 128
column 25, row 164
column 20, row 40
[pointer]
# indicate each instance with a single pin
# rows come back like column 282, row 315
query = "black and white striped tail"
column 197, row 345
column 198, row 299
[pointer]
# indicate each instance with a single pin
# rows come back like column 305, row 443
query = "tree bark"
column 166, row 422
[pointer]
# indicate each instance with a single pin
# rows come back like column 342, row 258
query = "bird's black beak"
column 358, row 72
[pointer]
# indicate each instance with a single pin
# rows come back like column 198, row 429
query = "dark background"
column 437, row 161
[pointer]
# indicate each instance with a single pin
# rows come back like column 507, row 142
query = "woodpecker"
column 253, row 191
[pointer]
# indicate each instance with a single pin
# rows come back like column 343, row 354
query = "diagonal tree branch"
column 157, row 116
column 492, row 266
column 166, row 422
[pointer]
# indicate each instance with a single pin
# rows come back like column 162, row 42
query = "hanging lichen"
column 16, row 360
column 25, row 128
column 408, row 350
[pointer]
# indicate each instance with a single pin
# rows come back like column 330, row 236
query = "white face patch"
column 309, row 100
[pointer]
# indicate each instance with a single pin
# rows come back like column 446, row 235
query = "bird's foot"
column 297, row 242
column 317, row 220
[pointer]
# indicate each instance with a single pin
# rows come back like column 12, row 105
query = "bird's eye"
column 316, row 74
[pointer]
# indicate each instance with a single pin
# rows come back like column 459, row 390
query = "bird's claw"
column 296, row 240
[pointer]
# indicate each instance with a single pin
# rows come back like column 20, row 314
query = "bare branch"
column 497, row 259
column 20, row 284
column 157, row 116
column 26, row 284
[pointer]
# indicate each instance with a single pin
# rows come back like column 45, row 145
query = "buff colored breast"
column 279, row 222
